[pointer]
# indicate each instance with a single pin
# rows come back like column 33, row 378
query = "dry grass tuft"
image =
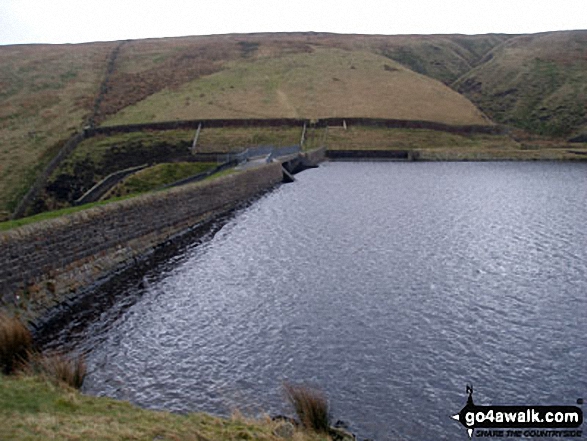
column 18, row 354
column 310, row 405
column 59, row 368
column 15, row 344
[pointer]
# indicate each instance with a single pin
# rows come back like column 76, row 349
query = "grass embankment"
column 37, row 401
column 35, row 409
column 157, row 176
column 7, row 225
column 443, row 146
column 239, row 138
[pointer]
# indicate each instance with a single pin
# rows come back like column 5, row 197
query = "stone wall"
column 44, row 263
column 295, row 122
column 355, row 155
column 33, row 193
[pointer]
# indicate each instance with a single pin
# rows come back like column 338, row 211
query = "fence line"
column 102, row 187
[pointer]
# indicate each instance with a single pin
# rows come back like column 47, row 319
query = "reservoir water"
column 389, row 285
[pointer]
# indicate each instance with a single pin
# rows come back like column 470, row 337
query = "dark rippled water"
column 390, row 285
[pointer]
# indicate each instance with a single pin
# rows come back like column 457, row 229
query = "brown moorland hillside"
column 535, row 82
column 145, row 67
column 317, row 83
column 47, row 92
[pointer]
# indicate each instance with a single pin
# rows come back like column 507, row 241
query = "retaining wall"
column 368, row 154
column 44, row 263
column 293, row 122
column 413, row 124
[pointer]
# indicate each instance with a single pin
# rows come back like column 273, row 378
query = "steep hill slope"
column 443, row 57
column 535, row 82
column 318, row 83
column 145, row 67
column 46, row 93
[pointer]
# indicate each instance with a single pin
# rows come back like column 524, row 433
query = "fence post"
column 196, row 139
column 324, row 136
column 303, row 138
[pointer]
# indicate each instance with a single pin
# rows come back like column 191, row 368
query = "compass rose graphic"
column 470, row 405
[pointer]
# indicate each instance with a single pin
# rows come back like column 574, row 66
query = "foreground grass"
column 311, row 406
column 16, row 343
column 34, row 409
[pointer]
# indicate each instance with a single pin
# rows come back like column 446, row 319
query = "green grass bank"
column 32, row 408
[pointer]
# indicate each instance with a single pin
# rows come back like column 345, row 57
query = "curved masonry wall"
column 42, row 264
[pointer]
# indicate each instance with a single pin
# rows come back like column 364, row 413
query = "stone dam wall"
column 45, row 263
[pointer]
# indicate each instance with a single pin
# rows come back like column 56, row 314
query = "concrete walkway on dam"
column 260, row 161
column 255, row 162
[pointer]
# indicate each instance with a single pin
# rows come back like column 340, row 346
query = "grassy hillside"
column 534, row 82
column 316, row 84
column 46, row 93
column 155, row 177
column 443, row 57
column 145, row 67
column 34, row 409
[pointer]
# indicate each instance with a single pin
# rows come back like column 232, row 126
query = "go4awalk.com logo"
column 520, row 421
